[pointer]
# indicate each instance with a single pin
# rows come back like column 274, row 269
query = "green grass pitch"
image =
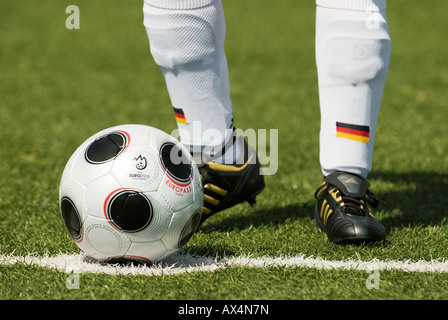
column 60, row 86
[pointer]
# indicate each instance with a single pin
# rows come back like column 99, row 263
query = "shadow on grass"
column 253, row 218
column 418, row 199
column 260, row 217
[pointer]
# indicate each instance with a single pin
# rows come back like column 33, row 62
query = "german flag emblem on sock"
column 352, row 132
column 180, row 115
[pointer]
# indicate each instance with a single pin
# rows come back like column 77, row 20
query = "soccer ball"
column 131, row 193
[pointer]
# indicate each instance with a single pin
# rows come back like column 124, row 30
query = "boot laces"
column 357, row 206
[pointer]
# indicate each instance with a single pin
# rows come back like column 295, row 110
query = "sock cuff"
column 179, row 4
column 357, row 5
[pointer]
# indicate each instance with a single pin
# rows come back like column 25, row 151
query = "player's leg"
column 187, row 41
column 352, row 56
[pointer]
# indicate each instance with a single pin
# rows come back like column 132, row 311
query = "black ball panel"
column 106, row 148
column 71, row 218
column 176, row 163
column 130, row 211
column 189, row 229
column 129, row 261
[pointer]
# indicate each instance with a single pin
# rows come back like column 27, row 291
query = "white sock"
column 186, row 38
column 352, row 56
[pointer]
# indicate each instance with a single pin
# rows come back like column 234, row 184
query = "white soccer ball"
column 131, row 193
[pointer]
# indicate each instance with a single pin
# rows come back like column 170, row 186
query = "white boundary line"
column 186, row 263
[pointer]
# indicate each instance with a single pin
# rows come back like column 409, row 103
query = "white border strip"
column 186, row 263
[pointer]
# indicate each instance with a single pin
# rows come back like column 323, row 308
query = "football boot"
column 226, row 185
column 343, row 210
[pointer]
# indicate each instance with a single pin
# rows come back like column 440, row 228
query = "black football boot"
column 343, row 210
column 226, row 185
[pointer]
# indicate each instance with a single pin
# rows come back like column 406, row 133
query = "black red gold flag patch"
column 180, row 115
column 352, row 132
